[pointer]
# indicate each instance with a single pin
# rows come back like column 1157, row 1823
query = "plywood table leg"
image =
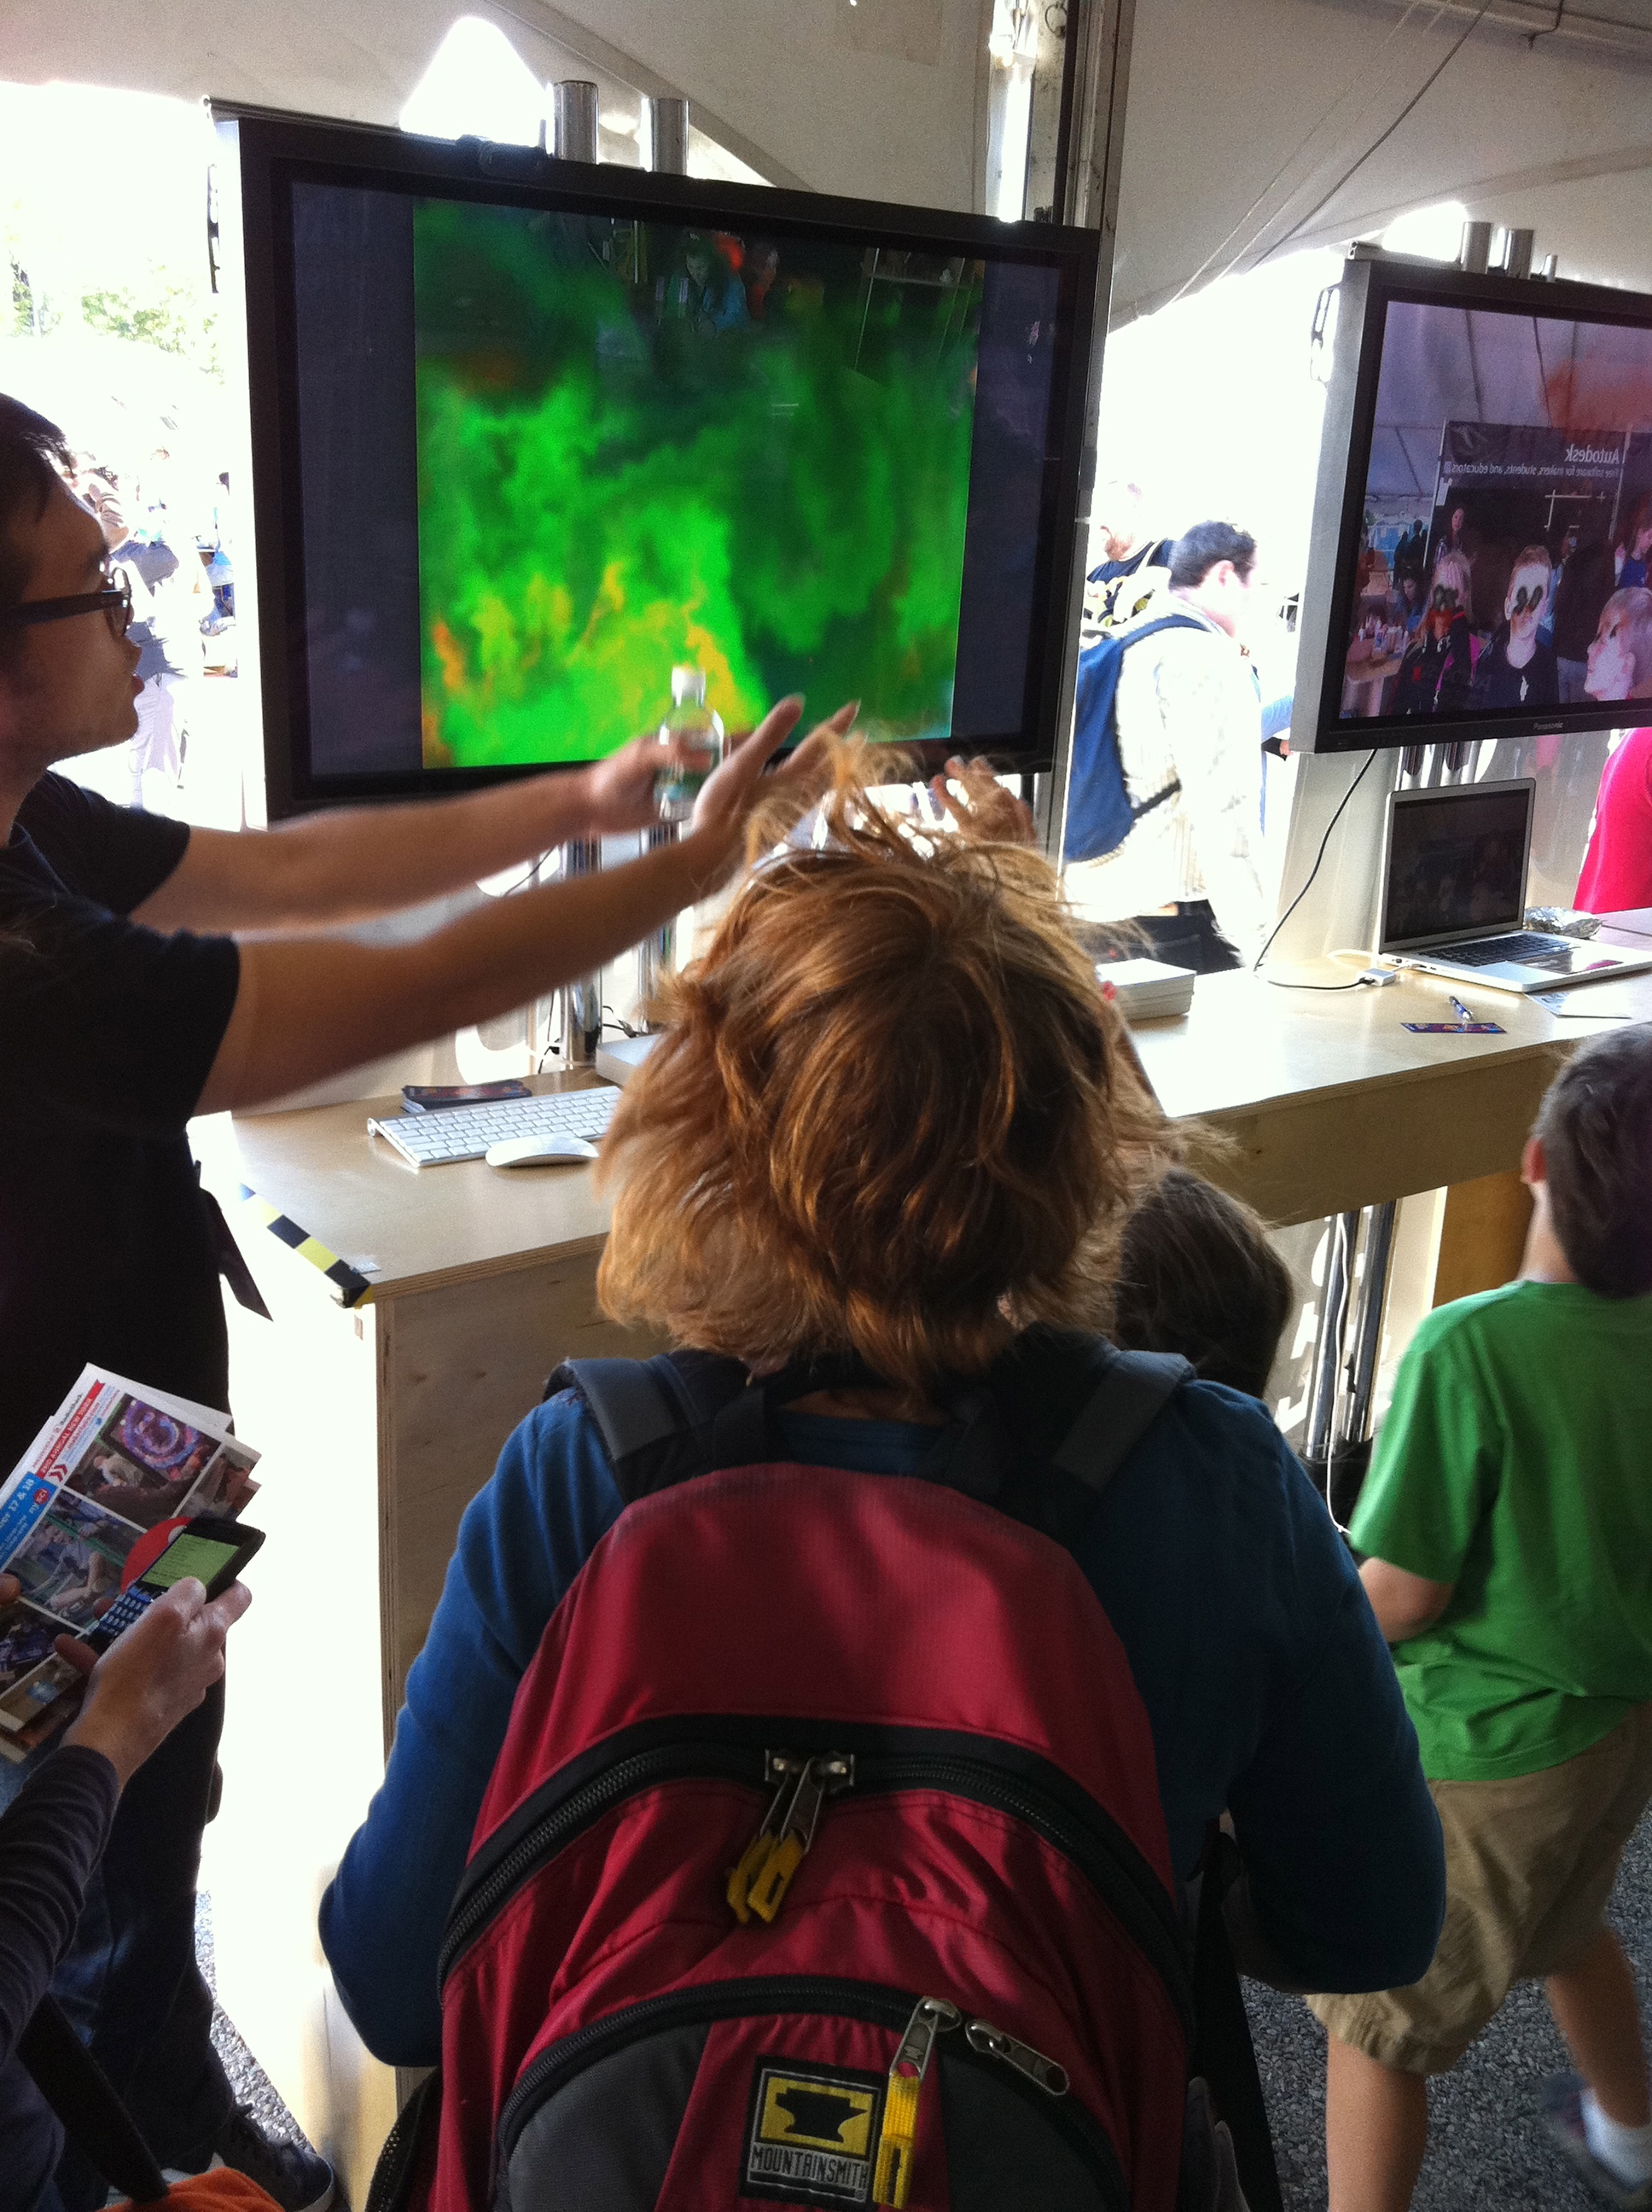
column 1481, row 1235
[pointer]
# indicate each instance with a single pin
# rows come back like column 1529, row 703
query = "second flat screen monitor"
column 1503, row 560
column 543, row 454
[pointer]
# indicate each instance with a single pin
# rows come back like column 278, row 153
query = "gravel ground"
column 1486, row 2144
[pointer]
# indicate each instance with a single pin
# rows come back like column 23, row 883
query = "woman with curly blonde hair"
column 886, row 1142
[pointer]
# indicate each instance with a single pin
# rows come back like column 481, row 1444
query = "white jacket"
column 1187, row 708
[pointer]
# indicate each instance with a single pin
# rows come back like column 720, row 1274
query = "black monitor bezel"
column 1371, row 282
column 276, row 150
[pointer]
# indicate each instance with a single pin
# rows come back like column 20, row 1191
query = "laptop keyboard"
column 464, row 1133
column 1525, row 947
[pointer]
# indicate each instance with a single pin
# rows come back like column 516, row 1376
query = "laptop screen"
column 1456, row 864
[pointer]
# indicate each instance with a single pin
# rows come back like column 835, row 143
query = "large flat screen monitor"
column 1483, row 540
column 527, row 433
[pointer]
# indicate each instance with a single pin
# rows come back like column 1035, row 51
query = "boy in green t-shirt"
column 1508, row 1521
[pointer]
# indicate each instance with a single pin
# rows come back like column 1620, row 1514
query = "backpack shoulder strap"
column 1159, row 622
column 1134, row 1388
column 653, row 1414
column 663, row 1420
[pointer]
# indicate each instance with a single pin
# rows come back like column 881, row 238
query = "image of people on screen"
column 1634, row 552
column 1453, row 882
column 1619, row 664
column 1517, row 668
column 1438, row 666
column 1510, row 467
column 1587, row 581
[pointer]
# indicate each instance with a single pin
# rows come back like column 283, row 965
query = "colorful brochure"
column 115, row 1461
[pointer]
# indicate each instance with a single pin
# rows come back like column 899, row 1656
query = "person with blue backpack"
column 1163, row 823
column 797, row 1795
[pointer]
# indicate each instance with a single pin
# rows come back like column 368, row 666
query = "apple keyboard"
column 464, row 1133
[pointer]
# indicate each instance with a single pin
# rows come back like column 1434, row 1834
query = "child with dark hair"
column 1508, row 1521
column 1196, row 1275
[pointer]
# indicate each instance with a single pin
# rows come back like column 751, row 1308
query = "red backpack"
column 823, row 1862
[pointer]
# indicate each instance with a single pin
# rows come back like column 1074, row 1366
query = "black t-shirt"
column 1496, row 684
column 108, row 1033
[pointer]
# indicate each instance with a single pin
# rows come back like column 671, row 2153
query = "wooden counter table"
column 481, row 1281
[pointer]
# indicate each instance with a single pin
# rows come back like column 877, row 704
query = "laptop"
column 1453, row 896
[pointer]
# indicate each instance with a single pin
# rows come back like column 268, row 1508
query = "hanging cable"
column 1297, row 151
column 1549, row 32
column 1256, row 964
column 1382, row 140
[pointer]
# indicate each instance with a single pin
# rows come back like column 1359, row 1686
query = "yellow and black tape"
column 352, row 1285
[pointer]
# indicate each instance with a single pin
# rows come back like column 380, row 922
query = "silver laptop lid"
column 1453, row 863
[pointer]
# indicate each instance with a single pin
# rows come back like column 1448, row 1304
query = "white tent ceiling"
column 1258, row 125
column 1253, row 124
column 879, row 98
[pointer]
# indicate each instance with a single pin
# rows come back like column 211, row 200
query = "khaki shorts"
column 1530, row 1867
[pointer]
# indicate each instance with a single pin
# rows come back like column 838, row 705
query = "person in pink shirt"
column 1617, row 871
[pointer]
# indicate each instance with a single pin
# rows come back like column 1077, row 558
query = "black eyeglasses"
column 113, row 603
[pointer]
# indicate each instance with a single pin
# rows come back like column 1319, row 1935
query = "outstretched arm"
column 343, row 866
column 307, row 1008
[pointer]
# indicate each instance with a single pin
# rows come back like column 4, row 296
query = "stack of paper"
column 1148, row 990
column 115, row 1461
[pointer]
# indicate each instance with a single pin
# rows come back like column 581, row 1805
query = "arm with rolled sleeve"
column 522, row 1542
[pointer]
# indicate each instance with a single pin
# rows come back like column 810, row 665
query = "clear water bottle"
column 675, row 789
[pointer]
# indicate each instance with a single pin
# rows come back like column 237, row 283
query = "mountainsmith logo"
column 811, row 2135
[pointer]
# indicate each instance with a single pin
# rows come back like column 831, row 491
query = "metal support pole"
column 1076, row 148
column 1327, row 1346
column 574, row 120
column 663, row 135
column 582, row 999
column 1351, row 1456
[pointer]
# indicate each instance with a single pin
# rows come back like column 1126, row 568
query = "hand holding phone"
column 155, row 1675
column 211, row 1549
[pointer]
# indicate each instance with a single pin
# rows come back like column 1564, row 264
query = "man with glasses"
column 126, row 1006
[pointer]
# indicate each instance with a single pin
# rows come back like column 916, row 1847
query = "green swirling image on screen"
column 641, row 445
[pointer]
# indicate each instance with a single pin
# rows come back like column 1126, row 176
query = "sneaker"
column 1561, row 2099
column 290, row 2172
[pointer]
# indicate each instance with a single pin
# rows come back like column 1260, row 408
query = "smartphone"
column 211, row 1549
column 430, row 1098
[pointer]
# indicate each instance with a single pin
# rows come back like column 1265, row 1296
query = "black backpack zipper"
column 977, row 1768
column 773, row 1994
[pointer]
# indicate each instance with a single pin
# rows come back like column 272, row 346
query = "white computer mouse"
column 557, row 1148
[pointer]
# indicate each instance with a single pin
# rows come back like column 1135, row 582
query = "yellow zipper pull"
column 892, row 2175
column 786, row 1772
column 771, row 1879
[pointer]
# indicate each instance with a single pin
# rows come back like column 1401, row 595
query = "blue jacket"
column 1267, row 1682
